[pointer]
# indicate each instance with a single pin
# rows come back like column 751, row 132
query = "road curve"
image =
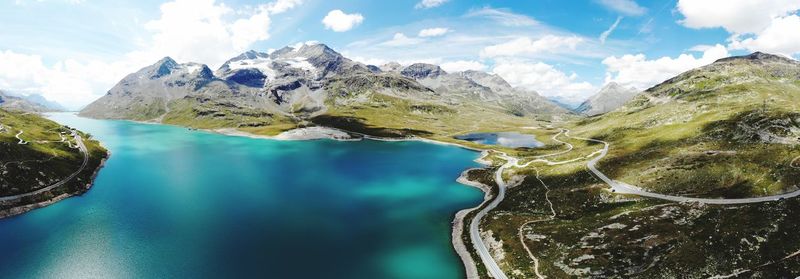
column 82, row 149
column 474, row 232
column 794, row 163
column 624, row 188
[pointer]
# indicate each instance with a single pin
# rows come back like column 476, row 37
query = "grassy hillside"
column 364, row 107
column 49, row 154
column 727, row 130
column 730, row 130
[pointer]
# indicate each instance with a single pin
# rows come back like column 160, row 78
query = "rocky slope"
column 610, row 97
column 269, row 92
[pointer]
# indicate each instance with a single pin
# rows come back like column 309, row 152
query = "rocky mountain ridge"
column 299, row 82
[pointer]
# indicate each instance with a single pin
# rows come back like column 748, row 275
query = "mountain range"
column 30, row 103
column 296, row 85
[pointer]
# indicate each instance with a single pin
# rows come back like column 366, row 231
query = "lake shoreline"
column 22, row 209
column 330, row 133
column 457, row 228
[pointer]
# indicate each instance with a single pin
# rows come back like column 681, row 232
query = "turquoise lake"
column 189, row 204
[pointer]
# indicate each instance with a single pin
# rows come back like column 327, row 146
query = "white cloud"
column 503, row 17
column 701, row 48
column 626, row 7
column 525, row 45
column 427, row 4
column 68, row 82
column 433, row 32
column 782, row 37
column 605, row 34
column 736, row 16
column 637, row 71
column 281, row 6
column 400, row 39
column 767, row 25
column 199, row 31
column 339, row 21
column 463, row 65
column 545, row 79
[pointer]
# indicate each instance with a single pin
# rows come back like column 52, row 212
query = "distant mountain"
column 564, row 103
column 481, row 87
column 16, row 103
column 297, row 84
column 41, row 100
column 145, row 95
column 610, row 97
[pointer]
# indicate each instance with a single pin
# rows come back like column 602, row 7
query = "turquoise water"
column 178, row 203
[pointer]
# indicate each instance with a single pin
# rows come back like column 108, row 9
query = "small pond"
column 507, row 139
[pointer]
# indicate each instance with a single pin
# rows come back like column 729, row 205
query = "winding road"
column 85, row 153
column 617, row 186
column 624, row 188
column 474, row 232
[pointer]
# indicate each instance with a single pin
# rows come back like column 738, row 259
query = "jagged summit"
column 164, row 67
column 303, row 79
column 422, row 70
column 391, row 67
column 493, row 81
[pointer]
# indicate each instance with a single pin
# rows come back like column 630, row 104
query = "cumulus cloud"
column 206, row 31
column 526, row 45
column 626, row 7
column 198, row 31
column 69, row 82
column 339, row 21
column 638, row 71
column 427, row 4
column 544, row 78
column 463, row 65
column 605, row 34
column 736, row 16
column 782, row 36
column 768, row 25
column 433, row 32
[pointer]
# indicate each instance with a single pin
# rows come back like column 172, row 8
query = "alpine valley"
column 695, row 177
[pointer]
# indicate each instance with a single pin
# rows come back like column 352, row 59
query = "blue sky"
column 73, row 51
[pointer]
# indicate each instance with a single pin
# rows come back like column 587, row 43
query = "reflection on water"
column 507, row 139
